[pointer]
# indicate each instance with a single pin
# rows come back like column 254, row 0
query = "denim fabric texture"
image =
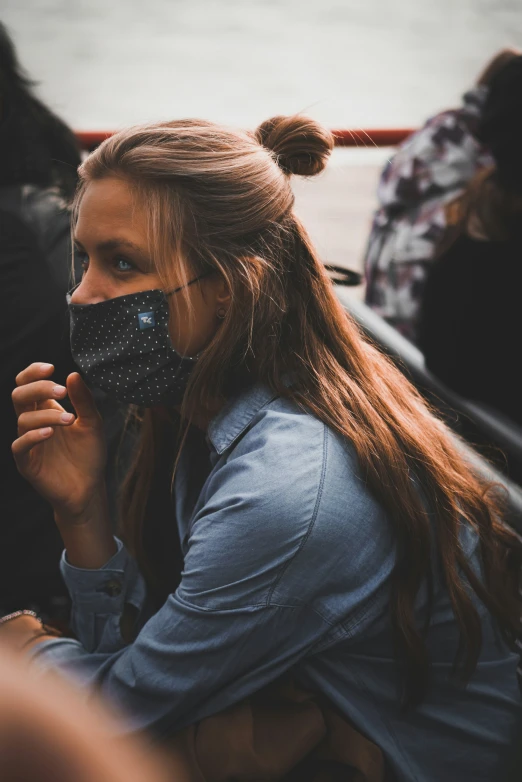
column 287, row 565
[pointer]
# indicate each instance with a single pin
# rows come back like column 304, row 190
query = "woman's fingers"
column 82, row 399
column 23, row 444
column 25, row 397
column 38, row 419
column 33, row 372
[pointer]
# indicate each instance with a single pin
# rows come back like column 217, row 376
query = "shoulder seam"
column 312, row 520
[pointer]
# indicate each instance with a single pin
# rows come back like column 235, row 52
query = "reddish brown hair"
column 497, row 63
column 221, row 199
column 485, row 210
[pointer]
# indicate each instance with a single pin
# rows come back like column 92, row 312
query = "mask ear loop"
column 70, row 292
column 166, row 293
column 188, row 284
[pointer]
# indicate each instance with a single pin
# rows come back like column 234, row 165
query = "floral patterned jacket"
column 429, row 170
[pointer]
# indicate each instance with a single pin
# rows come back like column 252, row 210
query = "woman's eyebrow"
column 113, row 244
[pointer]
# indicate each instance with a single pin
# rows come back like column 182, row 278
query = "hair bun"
column 301, row 145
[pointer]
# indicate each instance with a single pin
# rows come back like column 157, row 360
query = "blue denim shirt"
column 287, row 564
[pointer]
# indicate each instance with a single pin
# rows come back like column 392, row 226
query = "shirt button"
column 111, row 588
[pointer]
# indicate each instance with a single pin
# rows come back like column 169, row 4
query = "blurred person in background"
column 471, row 319
column 49, row 734
column 39, row 157
column 38, row 162
column 322, row 521
column 427, row 172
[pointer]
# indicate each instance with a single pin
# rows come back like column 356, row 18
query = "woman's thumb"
column 82, row 399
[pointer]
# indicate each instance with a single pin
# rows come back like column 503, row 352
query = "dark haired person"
column 322, row 520
column 471, row 321
column 428, row 171
column 38, row 163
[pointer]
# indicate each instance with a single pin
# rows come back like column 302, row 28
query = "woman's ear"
column 223, row 296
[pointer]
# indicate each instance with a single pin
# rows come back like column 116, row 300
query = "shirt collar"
column 236, row 416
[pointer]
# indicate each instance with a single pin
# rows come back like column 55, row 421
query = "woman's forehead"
column 109, row 211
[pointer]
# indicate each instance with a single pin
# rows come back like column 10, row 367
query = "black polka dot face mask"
column 122, row 346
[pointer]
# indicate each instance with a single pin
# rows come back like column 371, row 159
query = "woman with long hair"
column 322, row 519
column 471, row 317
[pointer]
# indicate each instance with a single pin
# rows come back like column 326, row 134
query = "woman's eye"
column 122, row 265
column 83, row 259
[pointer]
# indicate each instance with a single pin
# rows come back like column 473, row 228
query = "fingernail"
column 45, row 367
column 46, row 432
column 58, row 390
column 66, row 417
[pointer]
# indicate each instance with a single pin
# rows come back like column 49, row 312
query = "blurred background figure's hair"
column 36, row 147
column 500, row 128
column 49, row 734
column 496, row 65
column 492, row 202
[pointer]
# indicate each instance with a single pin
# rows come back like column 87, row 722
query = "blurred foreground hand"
column 49, row 734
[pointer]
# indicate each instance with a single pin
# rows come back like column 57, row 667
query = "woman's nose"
column 91, row 290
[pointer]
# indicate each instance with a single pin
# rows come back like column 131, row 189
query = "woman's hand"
column 63, row 456
column 23, row 632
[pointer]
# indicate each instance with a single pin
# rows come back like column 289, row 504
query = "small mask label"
column 146, row 320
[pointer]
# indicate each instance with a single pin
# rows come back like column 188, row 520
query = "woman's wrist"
column 23, row 629
column 93, row 508
column 87, row 536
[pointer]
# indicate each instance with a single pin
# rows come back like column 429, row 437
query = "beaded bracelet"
column 16, row 614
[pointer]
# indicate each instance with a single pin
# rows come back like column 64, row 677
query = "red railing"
column 89, row 139
column 375, row 137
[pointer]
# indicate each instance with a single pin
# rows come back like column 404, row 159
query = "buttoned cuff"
column 99, row 597
column 106, row 590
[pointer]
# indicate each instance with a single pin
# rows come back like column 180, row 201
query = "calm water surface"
column 348, row 62
column 104, row 64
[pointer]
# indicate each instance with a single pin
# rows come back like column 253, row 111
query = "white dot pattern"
column 134, row 365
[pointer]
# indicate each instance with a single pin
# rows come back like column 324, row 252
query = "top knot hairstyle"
column 219, row 198
column 300, row 145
